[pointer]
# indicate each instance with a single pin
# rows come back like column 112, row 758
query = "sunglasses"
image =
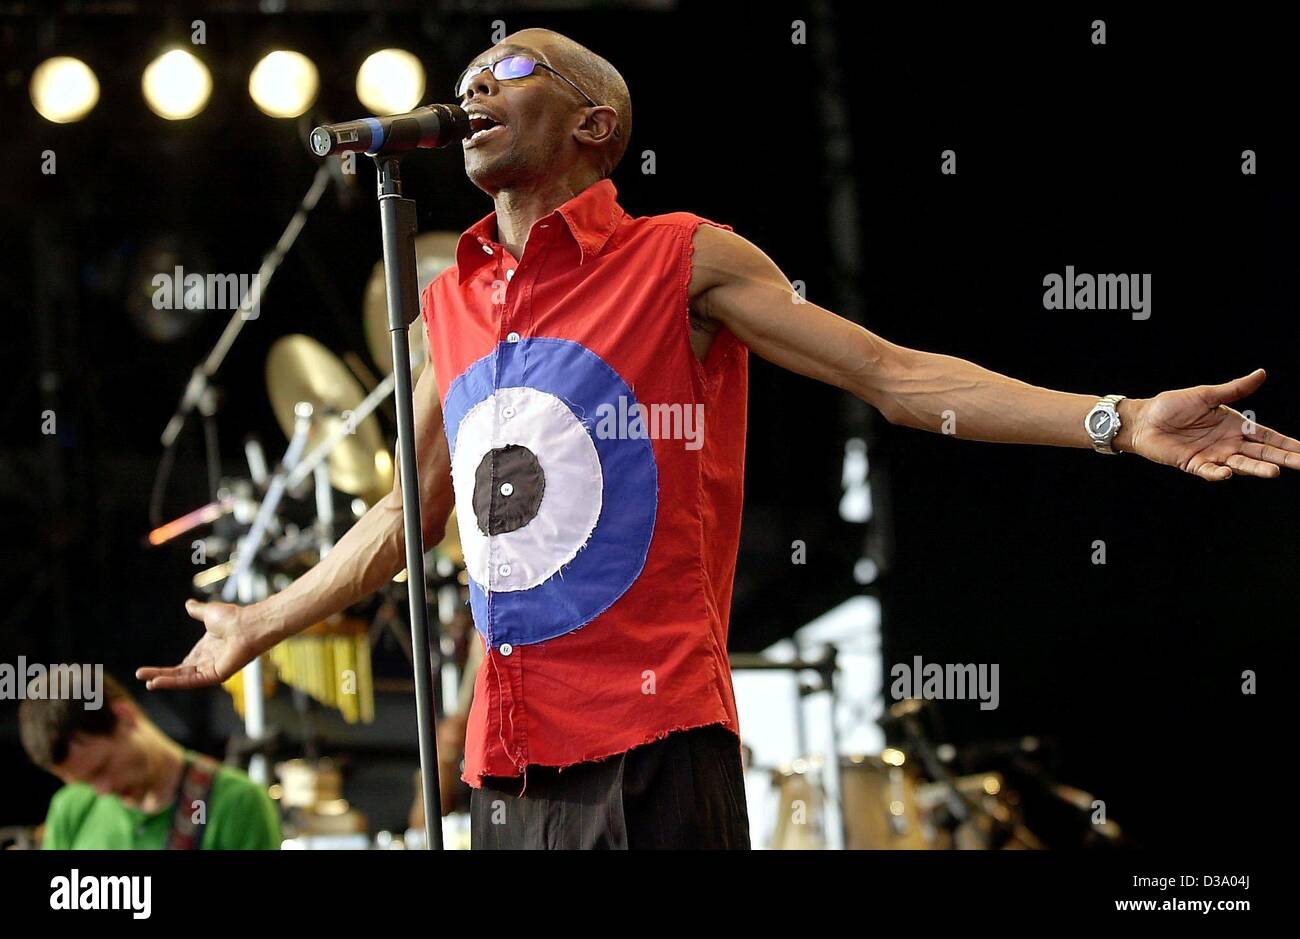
column 512, row 67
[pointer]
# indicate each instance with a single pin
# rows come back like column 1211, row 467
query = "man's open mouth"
column 481, row 126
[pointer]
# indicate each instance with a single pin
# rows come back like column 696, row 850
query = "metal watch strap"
column 1108, row 447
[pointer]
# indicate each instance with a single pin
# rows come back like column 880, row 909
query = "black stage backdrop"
column 1117, row 158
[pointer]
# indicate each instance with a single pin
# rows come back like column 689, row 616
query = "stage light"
column 284, row 83
column 64, row 89
column 390, row 81
column 176, row 85
column 865, row 571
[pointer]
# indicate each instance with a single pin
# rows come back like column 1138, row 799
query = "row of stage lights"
column 177, row 85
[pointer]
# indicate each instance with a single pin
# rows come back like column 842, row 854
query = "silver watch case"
column 1102, row 442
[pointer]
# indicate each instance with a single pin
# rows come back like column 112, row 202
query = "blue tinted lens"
column 513, row 66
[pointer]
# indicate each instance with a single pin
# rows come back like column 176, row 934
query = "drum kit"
column 267, row 527
column 921, row 795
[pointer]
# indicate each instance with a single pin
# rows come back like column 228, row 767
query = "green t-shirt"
column 240, row 816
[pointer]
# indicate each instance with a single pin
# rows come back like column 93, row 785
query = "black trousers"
column 685, row 791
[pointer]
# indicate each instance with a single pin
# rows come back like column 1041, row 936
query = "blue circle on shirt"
column 614, row 555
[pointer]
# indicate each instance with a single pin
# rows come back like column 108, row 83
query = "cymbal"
column 301, row 369
column 435, row 251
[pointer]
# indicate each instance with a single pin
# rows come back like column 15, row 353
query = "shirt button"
column 505, row 648
column 513, row 337
column 487, row 249
column 504, row 570
column 507, row 412
column 507, row 489
column 510, row 274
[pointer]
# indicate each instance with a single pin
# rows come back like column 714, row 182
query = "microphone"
column 429, row 127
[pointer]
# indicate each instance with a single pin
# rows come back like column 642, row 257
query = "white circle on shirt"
column 571, row 500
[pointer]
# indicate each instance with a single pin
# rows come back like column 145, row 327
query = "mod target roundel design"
column 555, row 521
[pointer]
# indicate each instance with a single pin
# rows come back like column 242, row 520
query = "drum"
column 880, row 806
column 800, row 821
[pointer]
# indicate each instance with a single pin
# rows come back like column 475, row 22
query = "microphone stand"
column 199, row 391
column 397, row 218
column 202, row 374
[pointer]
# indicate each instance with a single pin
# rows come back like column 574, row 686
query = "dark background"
column 1121, row 158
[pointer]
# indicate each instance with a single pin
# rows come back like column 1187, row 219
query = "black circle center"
column 508, row 487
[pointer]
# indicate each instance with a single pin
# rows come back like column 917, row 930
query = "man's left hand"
column 1194, row 430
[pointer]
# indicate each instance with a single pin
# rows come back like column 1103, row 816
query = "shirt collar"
column 590, row 218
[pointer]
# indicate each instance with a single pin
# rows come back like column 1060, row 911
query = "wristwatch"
column 1103, row 424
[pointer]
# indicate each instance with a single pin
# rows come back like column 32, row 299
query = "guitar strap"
column 196, row 785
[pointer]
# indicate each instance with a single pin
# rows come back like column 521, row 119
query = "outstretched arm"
column 366, row 558
column 736, row 285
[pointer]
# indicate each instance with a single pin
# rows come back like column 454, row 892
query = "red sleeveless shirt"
column 598, row 473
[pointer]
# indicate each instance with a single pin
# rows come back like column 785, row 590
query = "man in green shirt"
column 131, row 787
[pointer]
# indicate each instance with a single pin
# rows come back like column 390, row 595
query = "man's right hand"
column 366, row 558
column 234, row 637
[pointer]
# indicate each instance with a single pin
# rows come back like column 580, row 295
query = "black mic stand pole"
column 397, row 217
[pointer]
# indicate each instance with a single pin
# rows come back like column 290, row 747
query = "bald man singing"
column 585, row 413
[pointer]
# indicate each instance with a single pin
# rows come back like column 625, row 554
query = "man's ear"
column 599, row 126
column 125, row 715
